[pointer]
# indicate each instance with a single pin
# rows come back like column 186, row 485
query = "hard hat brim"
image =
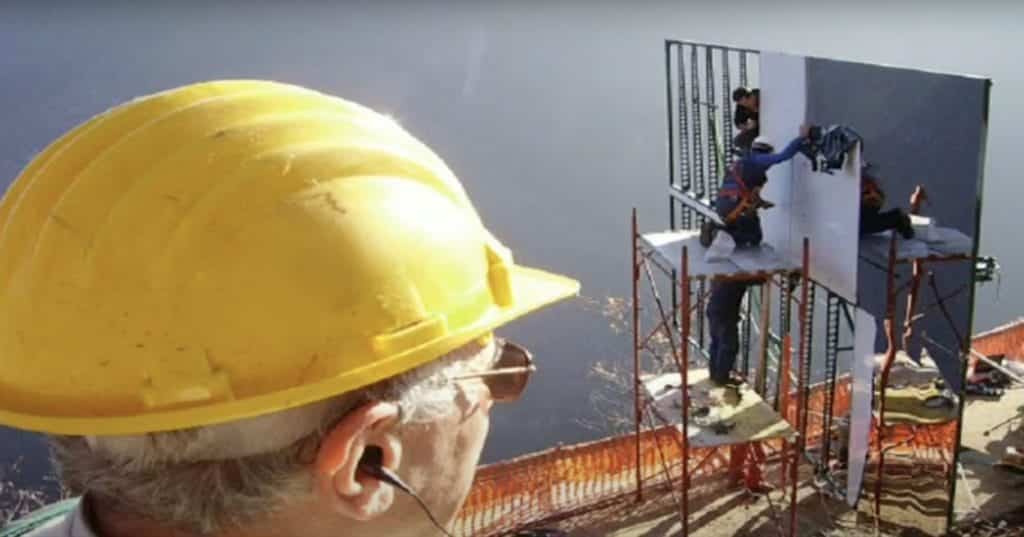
column 532, row 289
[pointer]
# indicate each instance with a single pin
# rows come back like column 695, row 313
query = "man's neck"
column 107, row 522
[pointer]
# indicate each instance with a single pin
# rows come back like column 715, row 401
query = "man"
column 746, row 117
column 244, row 308
column 737, row 204
column 872, row 218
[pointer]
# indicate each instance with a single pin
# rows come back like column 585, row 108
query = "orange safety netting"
column 1007, row 340
column 929, row 445
column 569, row 480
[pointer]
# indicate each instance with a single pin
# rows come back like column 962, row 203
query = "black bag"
column 829, row 146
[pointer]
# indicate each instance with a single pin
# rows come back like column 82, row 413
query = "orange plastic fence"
column 573, row 479
column 921, row 444
column 1007, row 339
column 570, row 480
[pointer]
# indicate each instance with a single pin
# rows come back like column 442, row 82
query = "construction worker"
column 737, row 204
column 746, row 116
column 872, row 218
column 249, row 308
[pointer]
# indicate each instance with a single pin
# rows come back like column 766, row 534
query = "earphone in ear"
column 372, row 464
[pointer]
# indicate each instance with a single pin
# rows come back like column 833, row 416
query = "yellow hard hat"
column 228, row 249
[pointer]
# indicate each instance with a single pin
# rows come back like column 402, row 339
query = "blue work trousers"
column 723, row 312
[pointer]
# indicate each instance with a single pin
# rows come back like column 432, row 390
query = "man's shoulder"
column 44, row 522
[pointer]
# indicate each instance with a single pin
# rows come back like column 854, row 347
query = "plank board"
column 754, row 420
column 668, row 246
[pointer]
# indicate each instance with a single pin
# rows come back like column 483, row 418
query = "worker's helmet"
column 234, row 248
column 762, row 145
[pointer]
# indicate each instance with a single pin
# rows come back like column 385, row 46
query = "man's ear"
column 338, row 479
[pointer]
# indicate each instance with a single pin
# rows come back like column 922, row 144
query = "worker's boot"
column 708, row 230
column 905, row 227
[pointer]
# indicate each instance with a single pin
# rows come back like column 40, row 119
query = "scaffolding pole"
column 684, row 368
column 636, row 358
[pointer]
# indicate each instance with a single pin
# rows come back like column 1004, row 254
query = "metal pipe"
column 636, row 360
column 890, row 356
column 684, row 362
column 801, row 395
column 915, row 279
column 785, row 364
column 761, row 378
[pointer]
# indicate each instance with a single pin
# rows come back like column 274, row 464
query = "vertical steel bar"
column 714, row 152
column 700, row 311
column 680, row 109
column 668, row 115
column 745, row 331
column 831, row 371
column 761, row 380
column 807, row 343
column 638, row 411
column 784, row 319
column 698, row 179
column 966, row 339
column 801, row 440
column 726, row 110
column 684, row 366
column 743, row 69
column 785, row 367
column 685, row 168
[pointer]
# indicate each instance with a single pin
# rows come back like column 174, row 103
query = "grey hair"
column 204, row 480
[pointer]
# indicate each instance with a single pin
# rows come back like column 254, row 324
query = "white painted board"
column 860, row 403
column 820, row 206
column 783, row 108
column 669, row 247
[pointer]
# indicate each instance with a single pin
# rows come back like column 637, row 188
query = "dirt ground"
column 989, row 501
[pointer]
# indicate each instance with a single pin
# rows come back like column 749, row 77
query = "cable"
column 372, row 465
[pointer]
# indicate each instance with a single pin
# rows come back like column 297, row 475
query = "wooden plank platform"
column 753, row 420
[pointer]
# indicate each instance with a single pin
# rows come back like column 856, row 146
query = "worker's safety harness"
column 749, row 199
column 871, row 194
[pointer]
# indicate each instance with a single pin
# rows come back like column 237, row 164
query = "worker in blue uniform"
column 737, row 204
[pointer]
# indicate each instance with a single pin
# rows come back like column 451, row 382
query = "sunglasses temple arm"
column 496, row 372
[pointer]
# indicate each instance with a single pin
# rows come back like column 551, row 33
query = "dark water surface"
column 552, row 115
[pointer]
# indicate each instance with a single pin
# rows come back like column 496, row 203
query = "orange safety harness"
column 749, row 198
column 870, row 194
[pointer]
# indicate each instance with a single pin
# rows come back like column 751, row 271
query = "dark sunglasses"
column 507, row 378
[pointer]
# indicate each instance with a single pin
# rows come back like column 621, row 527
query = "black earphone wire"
column 392, row 479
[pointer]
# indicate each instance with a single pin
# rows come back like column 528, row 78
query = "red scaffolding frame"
column 882, row 427
column 746, row 458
